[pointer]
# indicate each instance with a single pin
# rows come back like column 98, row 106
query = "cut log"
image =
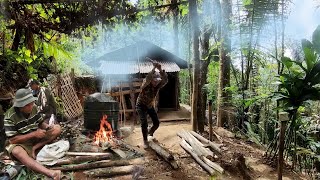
column 196, row 145
column 214, row 165
column 100, row 164
column 184, row 136
column 81, row 159
column 115, row 171
column 87, row 154
column 122, row 144
column 119, row 152
column 185, row 146
column 164, row 153
column 217, row 136
column 213, row 145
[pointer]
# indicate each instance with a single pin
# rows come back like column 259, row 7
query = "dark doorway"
column 167, row 95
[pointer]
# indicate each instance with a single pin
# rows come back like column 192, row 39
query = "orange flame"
column 105, row 132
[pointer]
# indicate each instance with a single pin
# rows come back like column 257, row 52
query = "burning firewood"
column 101, row 164
column 116, row 171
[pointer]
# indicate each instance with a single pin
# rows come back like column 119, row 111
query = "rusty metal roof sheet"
column 127, row 67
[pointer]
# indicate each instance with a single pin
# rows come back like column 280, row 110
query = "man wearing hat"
column 27, row 132
column 45, row 101
column 150, row 87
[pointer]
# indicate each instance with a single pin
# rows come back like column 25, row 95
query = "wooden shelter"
column 122, row 72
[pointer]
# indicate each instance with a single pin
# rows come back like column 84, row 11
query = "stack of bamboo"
column 196, row 146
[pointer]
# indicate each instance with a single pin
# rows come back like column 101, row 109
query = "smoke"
column 303, row 19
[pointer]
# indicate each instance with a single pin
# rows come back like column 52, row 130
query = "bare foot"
column 56, row 175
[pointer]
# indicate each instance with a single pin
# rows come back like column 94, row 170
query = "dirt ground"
column 156, row 168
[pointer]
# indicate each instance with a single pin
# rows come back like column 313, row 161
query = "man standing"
column 27, row 132
column 45, row 101
column 145, row 102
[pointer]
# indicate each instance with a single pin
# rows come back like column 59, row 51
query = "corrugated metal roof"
column 127, row 67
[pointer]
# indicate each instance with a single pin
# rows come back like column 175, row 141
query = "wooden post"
column 283, row 118
column 72, row 76
column 133, row 101
column 210, row 119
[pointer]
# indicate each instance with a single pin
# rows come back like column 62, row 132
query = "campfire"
column 104, row 135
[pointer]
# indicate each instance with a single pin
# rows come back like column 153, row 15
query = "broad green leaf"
column 27, row 53
column 287, row 62
column 28, row 59
column 310, row 57
column 247, row 2
column 316, row 39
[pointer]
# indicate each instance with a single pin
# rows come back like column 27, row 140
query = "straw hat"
column 23, row 97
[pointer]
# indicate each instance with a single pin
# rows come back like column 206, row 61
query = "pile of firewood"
column 201, row 150
column 103, row 164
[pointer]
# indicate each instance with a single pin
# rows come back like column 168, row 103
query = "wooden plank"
column 127, row 85
column 174, row 119
column 127, row 111
column 123, row 92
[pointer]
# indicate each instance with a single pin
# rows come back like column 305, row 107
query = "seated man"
column 27, row 132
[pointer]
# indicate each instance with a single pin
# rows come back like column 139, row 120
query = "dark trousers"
column 143, row 111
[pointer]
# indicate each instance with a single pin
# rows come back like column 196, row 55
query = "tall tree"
column 176, row 27
column 206, row 56
column 224, row 75
column 194, row 20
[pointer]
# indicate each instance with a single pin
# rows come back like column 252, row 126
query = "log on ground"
column 81, row 159
column 187, row 148
column 86, row 154
column 164, row 153
column 196, row 145
column 115, row 171
column 213, row 145
column 101, row 164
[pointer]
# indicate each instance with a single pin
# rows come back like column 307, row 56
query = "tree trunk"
column 224, row 75
column 176, row 27
column 204, row 63
column 29, row 40
column 196, row 61
column 17, row 38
